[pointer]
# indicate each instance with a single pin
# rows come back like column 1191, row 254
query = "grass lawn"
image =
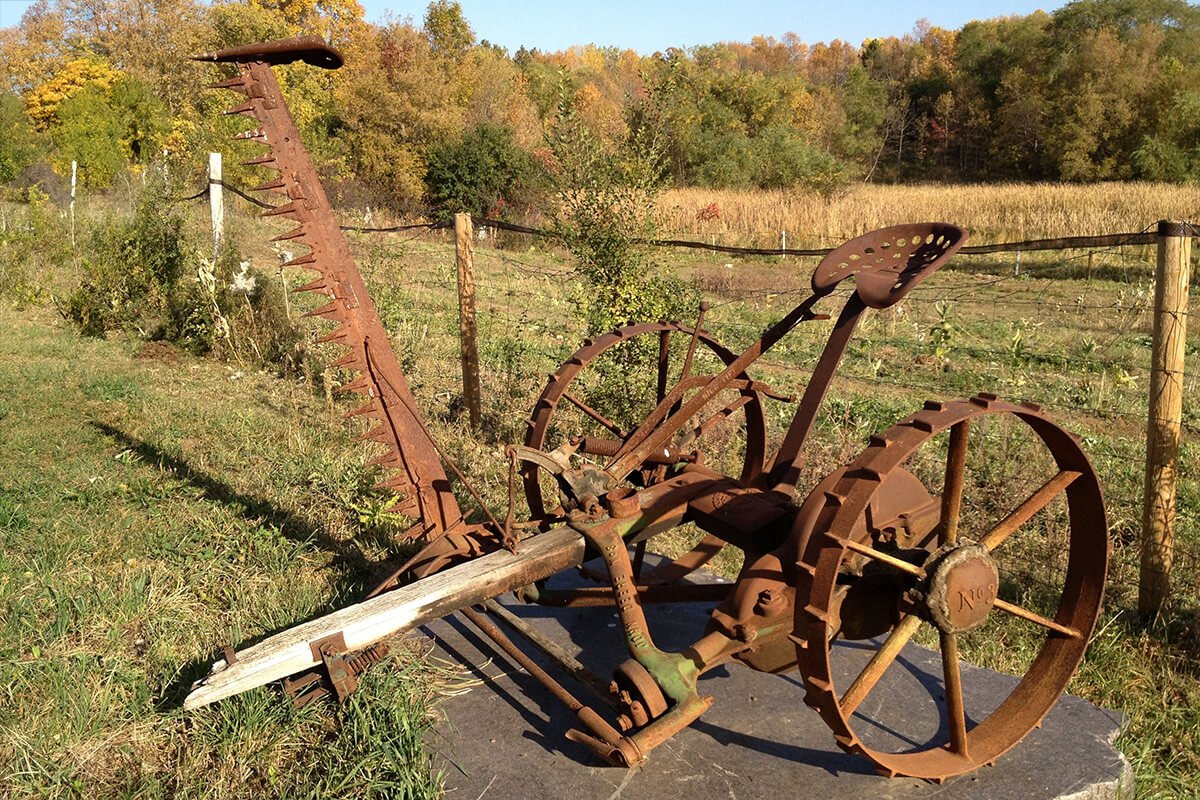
column 153, row 507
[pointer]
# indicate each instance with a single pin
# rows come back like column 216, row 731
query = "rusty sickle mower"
column 878, row 550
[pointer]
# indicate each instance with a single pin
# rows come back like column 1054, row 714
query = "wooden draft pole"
column 1164, row 427
column 463, row 230
column 396, row 611
column 216, row 200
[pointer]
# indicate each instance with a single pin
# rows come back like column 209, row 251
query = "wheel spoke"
column 890, row 560
column 1026, row 614
column 594, row 414
column 879, row 663
column 664, row 360
column 716, row 419
column 954, row 694
column 952, row 486
column 639, row 558
column 1032, row 505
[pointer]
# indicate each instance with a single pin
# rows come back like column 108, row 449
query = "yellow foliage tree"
column 34, row 50
column 303, row 12
column 42, row 102
column 395, row 98
column 495, row 91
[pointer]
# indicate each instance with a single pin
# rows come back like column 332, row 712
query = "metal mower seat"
column 887, row 263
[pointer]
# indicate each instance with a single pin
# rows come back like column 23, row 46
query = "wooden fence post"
column 466, row 316
column 74, row 173
column 216, row 200
column 1164, row 426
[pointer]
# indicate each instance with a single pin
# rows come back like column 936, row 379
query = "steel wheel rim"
column 1058, row 656
column 562, row 378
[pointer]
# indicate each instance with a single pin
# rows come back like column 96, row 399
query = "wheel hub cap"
column 962, row 588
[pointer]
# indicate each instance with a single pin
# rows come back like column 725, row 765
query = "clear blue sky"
column 646, row 26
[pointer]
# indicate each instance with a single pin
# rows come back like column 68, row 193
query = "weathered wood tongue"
column 399, row 610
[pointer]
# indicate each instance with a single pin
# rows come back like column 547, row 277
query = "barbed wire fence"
column 1075, row 333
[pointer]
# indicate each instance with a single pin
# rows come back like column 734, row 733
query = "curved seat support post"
column 886, row 264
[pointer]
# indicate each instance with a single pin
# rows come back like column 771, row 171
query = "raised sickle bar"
column 309, row 49
column 396, row 611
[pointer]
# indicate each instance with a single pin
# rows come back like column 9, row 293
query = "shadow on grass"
column 354, row 570
column 348, row 557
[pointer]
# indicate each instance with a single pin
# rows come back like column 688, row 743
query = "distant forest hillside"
column 424, row 114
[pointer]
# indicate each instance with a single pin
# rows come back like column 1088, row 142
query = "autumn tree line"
column 426, row 116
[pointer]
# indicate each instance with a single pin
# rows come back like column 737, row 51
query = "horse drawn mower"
column 876, row 551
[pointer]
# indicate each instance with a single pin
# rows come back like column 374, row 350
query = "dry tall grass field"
column 992, row 212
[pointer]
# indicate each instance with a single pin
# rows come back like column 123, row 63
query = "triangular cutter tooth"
column 380, row 434
column 234, row 84
column 389, row 459
column 338, row 335
column 349, row 360
column 319, row 285
column 284, row 210
column 367, row 408
column 294, row 233
column 359, row 384
column 267, row 160
column 401, row 485
column 409, row 506
column 325, row 310
column 246, row 109
column 270, row 186
column 300, row 261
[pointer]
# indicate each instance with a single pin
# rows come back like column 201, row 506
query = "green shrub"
column 142, row 274
column 604, row 201
column 786, row 160
column 35, row 244
column 131, row 268
column 483, row 170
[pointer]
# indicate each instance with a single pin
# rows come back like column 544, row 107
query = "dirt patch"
column 158, row 351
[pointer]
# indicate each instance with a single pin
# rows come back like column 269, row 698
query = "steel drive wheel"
column 1013, row 572
column 600, row 395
